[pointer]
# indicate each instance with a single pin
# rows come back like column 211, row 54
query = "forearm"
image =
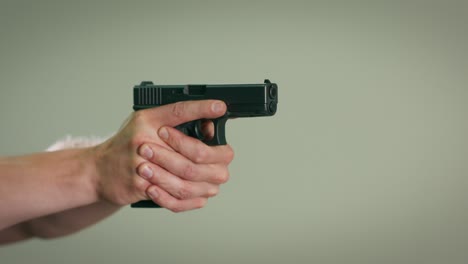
column 70, row 221
column 59, row 224
column 42, row 184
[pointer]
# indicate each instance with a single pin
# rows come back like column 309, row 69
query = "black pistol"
column 242, row 100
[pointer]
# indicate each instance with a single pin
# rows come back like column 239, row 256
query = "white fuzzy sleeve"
column 76, row 142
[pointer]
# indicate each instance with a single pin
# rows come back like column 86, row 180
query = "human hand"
column 148, row 158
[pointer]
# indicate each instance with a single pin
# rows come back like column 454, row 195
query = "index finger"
column 194, row 149
column 183, row 112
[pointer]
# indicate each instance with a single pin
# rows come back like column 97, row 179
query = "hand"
column 184, row 171
column 185, row 175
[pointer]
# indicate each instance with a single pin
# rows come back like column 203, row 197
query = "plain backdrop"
column 366, row 160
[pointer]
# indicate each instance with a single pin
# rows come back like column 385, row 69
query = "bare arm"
column 59, row 224
column 41, row 184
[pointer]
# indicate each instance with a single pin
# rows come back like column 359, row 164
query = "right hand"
column 184, row 170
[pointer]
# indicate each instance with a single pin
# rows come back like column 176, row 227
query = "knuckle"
column 201, row 203
column 175, row 140
column 188, row 172
column 229, row 155
column 223, row 176
column 213, row 191
column 178, row 109
column 176, row 208
column 172, row 204
column 184, row 192
column 201, row 155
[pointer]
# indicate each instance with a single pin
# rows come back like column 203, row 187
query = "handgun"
column 242, row 100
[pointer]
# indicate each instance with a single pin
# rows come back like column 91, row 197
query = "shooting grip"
column 194, row 129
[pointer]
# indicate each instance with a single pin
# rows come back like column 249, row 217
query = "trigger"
column 198, row 130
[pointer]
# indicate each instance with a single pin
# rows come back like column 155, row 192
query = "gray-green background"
column 366, row 160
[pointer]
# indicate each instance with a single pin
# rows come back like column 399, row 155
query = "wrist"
column 102, row 167
column 88, row 159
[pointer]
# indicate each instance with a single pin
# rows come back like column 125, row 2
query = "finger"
column 194, row 149
column 207, row 128
column 182, row 112
column 164, row 199
column 141, row 185
column 174, row 185
column 182, row 167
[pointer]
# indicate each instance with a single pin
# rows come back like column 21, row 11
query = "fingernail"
column 146, row 172
column 217, row 107
column 163, row 133
column 153, row 193
column 147, row 152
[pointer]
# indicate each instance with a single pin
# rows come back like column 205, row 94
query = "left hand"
column 185, row 175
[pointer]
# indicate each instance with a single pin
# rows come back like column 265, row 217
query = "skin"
column 53, row 194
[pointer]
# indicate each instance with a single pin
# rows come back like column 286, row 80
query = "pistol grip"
column 145, row 204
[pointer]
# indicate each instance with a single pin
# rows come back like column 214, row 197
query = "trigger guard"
column 219, row 137
column 194, row 129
